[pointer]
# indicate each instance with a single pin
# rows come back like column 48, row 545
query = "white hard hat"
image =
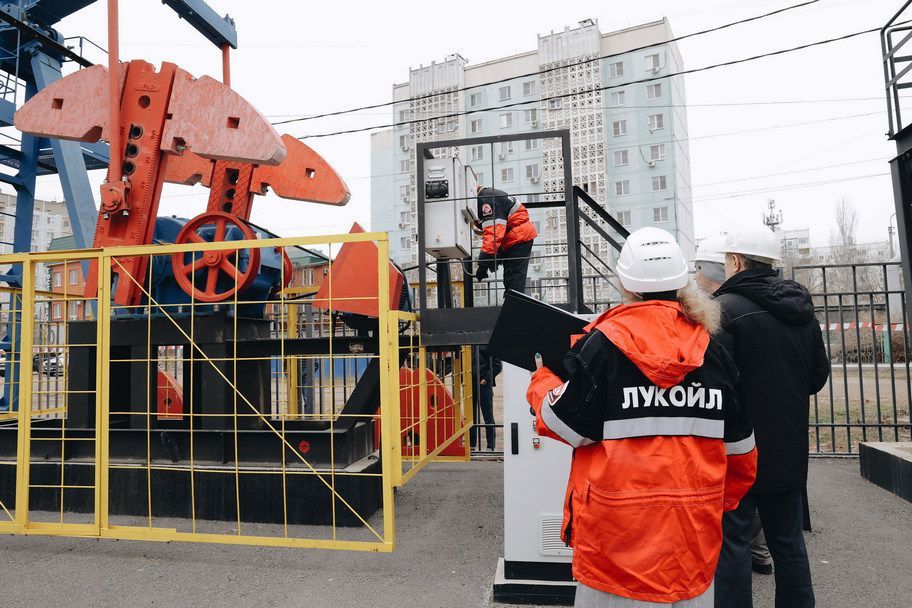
column 651, row 261
column 755, row 242
column 711, row 250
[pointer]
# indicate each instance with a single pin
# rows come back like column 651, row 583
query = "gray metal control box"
column 449, row 209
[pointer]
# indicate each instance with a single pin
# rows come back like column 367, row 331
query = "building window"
column 405, row 242
column 404, row 115
column 57, row 310
column 529, row 87
column 403, row 142
column 506, row 120
column 403, row 166
column 403, row 217
column 477, row 152
column 657, row 152
column 531, row 144
column 659, row 183
column 530, row 116
column 475, row 99
column 652, row 62
column 616, row 69
column 654, row 91
column 656, row 122
column 403, row 192
column 74, row 276
column 623, row 217
column 532, row 171
column 620, row 128
column 504, row 93
column 659, row 215
column 475, row 126
column 479, row 178
column 554, row 104
column 618, row 98
column 622, row 188
column 58, row 279
column 533, row 198
column 506, row 175
column 621, row 158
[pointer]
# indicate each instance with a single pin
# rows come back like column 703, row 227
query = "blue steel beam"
column 74, row 179
column 218, row 30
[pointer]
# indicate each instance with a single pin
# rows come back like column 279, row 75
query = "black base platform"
column 534, row 583
column 889, row 465
column 308, row 499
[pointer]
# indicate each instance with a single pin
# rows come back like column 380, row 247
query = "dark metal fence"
column 861, row 309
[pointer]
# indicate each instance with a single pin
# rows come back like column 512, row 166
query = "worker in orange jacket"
column 507, row 235
column 661, row 445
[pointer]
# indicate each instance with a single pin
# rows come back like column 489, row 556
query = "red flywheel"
column 226, row 264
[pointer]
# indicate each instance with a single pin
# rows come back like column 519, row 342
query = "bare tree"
column 850, row 274
column 842, row 239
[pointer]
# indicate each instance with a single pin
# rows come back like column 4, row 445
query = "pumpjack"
column 171, row 127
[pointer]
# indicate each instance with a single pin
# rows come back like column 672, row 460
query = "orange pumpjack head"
column 302, row 176
column 163, row 113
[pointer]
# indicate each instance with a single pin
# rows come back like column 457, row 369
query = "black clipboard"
column 526, row 326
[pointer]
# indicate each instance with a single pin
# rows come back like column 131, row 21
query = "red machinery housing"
column 442, row 419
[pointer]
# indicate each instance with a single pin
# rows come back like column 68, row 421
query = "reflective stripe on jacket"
column 662, row 448
column 505, row 221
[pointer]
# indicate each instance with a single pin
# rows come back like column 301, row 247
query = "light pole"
column 890, row 231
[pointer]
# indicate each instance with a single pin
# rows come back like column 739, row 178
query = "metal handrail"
column 890, row 58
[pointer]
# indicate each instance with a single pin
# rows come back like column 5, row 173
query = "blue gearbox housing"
column 165, row 289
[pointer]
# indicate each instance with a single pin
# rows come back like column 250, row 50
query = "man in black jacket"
column 778, row 348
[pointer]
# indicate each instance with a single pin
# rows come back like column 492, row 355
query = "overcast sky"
column 299, row 58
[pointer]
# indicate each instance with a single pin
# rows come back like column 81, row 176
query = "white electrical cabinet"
column 449, row 208
column 536, row 563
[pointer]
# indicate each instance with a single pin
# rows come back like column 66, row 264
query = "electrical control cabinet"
column 536, row 470
column 449, row 208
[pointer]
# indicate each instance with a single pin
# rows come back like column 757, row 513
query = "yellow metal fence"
column 267, row 422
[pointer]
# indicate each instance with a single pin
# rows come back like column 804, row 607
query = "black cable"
column 605, row 88
column 552, row 69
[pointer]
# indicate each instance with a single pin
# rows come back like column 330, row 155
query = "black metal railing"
column 896, row 65
column 861, row 309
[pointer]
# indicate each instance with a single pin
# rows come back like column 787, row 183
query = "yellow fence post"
column 102, row 393
column 422, row 403
column 468, row 396
column 395, row 394
column 26, row 322
column 292, row 364
column 388, row 355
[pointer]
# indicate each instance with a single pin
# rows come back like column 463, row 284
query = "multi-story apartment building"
column 50, row 221
column 629, row 138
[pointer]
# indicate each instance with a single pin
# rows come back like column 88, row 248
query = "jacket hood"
column 788, row 301
column 657, row 337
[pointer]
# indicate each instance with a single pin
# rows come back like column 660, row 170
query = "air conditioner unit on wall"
column 656, row 69
column 651, row 163
column 534, row 179
column 534, row 123
column 500, row 156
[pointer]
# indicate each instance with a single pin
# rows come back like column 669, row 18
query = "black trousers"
column 782, row 517
column 515, row 261
column 486, row 410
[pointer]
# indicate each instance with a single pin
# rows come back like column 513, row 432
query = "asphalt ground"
column 450, row 535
